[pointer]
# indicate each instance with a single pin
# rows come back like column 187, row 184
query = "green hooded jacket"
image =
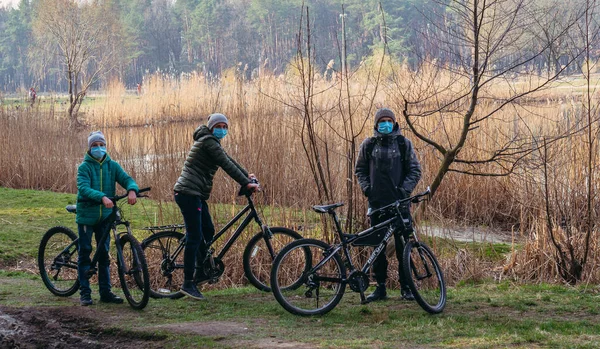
column 96, row 179
column 203, row 161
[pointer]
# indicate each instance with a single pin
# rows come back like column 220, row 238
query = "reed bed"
column 150, row 135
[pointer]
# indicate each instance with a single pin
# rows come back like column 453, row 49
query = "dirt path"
column 66, row 327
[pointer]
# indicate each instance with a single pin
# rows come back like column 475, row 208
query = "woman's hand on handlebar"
column 131, row 197
column 252, row 187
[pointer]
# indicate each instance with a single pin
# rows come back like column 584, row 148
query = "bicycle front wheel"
column 133, row 274
column 165, row 264
column 424, row 277
column 258, row 258
column 57, row 261
column 321, row 278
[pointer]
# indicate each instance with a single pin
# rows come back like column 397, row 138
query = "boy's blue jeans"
column 84, row 249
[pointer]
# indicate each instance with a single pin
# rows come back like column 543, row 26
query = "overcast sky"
column 4, row 3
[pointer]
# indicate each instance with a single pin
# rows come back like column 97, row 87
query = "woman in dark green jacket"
column 96, row 179
column 193, row 189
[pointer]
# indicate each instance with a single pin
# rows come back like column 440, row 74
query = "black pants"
column 380, row 265
column 199, row 229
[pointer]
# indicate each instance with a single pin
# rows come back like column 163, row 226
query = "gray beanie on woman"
column 216, row 118
column 96, row 136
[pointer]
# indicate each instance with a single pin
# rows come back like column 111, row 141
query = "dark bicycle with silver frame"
column 309, row 276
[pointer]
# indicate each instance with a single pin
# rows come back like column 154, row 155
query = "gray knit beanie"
column 216, row 118
column 96, row 136
column 384, row 112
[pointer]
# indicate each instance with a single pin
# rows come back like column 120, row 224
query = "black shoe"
column 189, row 289
column 86, row 300
column 111, row 298
column 377, row 295
column 407, row 294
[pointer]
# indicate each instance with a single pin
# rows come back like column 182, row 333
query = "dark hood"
column 202, row 131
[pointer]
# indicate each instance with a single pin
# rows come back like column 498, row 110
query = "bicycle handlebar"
column 119, row 197
column 415, row 198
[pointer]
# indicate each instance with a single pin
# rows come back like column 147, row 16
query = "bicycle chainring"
column 214, row 269
column 358, row 281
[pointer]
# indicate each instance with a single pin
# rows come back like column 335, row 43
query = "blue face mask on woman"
column 385, row 127
column 98, row 152
column 220, row 133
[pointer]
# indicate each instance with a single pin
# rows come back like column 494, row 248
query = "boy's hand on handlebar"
column 131, row 197
column 107, row 202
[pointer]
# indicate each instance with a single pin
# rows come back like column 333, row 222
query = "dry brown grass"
column 151, row 134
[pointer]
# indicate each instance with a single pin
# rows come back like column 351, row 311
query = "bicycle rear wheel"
column 133, row 274
column 166, row 269
column 424, row 277
column 57, row 261
column 258, row 259
column 322, row 282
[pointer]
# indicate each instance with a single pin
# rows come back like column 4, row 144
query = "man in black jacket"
column 387, row 170
column 193, row 189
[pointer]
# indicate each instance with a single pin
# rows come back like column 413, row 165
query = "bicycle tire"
column 305, row 299
column 166, row 274
column 65, row 281
column 424, row 276
column 133, row 274
column 257, row 258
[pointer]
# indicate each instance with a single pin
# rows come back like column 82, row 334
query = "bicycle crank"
column 213, row 269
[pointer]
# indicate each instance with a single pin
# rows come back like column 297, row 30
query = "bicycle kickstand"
column 363, row 299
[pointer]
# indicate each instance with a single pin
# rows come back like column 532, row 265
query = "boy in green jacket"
column 96, row 179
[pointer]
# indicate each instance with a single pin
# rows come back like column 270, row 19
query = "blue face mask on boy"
column 98, row 152
column 385, row 127
column 220, row 133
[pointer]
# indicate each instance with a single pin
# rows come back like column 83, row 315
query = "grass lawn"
column 482, row 315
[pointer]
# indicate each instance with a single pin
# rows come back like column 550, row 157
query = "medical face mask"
column 98, row 152
column 385, row 127
column 220, row 133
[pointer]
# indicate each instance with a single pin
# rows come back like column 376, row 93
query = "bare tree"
column 490, row 47
column 83, row 35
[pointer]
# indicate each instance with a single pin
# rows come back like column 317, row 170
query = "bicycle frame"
column 347, row 240
column 252, row 215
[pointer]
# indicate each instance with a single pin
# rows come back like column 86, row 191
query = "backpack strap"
column 402, row 147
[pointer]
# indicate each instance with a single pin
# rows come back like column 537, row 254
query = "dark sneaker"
column 407, row 294
column 86, row 300
column 189, row 289
column 111, row 298
column 378, row 295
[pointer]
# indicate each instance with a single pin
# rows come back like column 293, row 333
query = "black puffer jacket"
column 382, row 175
column 203, row 161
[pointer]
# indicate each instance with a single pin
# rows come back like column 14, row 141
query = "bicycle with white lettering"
column 320, row 272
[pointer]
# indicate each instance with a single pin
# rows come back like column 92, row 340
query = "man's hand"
column 131, row 197
column 107, row 202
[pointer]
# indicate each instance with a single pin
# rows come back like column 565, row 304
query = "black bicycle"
column 309, row 277
column 57, row 259
column 164, row 251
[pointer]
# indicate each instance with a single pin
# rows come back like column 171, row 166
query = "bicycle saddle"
column 327, row 208
column 71, row 208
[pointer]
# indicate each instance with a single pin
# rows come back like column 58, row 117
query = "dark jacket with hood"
column 383, row 175
column 203, row 161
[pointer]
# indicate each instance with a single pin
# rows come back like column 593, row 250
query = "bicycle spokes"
column 313, row 292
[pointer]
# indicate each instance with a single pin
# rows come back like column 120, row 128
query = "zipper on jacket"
column 101, row 186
